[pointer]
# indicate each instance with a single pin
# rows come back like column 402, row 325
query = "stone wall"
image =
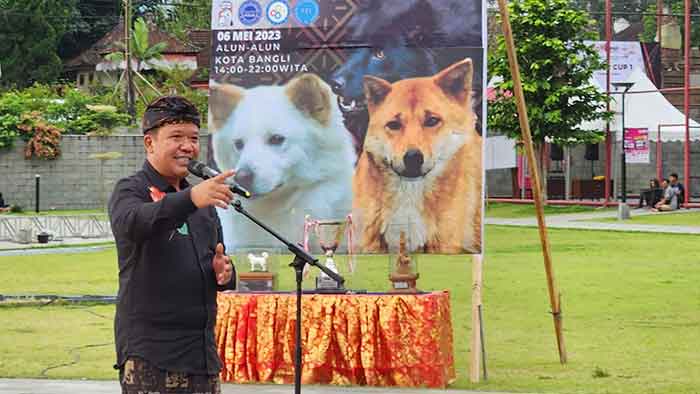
column 73, row 181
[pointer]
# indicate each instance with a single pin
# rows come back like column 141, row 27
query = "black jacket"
column 166, row 305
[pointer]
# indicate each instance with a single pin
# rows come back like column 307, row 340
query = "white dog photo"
column 289, row 148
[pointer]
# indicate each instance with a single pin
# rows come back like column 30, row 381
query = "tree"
column 29, row 34
column 142, row 53
column 90, row 21
column 141, row 50
column 186, row 15
column 556, row 68
column 677, row 7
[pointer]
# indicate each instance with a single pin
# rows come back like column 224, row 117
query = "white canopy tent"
column 646, row 110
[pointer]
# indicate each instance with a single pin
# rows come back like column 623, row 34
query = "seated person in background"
column 678, row 187
column 3, row 207
column 652, row 195
column 670, row 200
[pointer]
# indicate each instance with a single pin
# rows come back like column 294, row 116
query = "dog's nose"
column 338, row 84
column 413, row 161
column 245, row 178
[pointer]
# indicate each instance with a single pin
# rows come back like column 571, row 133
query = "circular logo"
column 250, row 12
column 278, row 12
column 306, row 11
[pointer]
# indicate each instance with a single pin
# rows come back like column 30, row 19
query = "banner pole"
column 535, row 176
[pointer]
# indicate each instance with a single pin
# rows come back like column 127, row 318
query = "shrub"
column 8, row 130
column 42, row 139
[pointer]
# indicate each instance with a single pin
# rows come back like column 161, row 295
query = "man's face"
column 673, row 180
column 170, row 149
column 664, row 183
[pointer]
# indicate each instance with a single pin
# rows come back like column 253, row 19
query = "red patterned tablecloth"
column 359, row 339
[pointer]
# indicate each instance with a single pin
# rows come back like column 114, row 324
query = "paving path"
column 583, row 221
column 45, row 386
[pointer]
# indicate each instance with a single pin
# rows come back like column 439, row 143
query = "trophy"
column 403, row 273
column 260, row 276
column 330, row 233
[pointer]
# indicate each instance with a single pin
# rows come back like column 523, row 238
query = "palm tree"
column 142, row 54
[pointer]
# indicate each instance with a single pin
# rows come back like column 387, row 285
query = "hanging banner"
column 625, row 57
column 637, row 145
column 368, row 112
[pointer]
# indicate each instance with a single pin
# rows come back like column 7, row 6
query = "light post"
column 623, row 165
column 37, row 182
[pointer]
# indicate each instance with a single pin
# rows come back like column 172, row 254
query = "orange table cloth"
column 358, row 339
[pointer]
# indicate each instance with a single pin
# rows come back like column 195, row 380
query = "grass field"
column 663, row 218
column 631, row 313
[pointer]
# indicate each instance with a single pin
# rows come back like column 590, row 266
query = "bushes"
column 41, row 113
column 42, row 139
column 8, row 130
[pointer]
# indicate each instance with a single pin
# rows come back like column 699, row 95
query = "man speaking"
column 171, row 260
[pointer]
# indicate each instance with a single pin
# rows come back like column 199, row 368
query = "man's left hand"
column 222, row 266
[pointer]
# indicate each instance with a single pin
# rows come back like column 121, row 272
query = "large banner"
column 368, row 113
column 625, row 58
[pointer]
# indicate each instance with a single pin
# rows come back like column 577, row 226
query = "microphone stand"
column 301, row 258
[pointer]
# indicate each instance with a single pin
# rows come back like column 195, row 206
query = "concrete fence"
column 74, row 180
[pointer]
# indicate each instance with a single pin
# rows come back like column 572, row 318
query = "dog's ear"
column 456, row 80
column 376, row 90
column 223, row 99
column 311, row 96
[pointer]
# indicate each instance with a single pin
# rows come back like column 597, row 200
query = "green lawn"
column 662, row 218
column 507, row 210
column 631, row 314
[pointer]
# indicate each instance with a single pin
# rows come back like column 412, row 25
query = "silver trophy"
column 330, row 233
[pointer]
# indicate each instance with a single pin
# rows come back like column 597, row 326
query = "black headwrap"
column 169, row 109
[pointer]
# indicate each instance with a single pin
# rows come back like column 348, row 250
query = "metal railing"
column 14, row 228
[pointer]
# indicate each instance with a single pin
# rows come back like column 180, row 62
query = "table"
column 589, row 188
column 357, row 339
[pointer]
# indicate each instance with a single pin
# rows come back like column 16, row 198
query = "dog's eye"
column 431, row 121
column 379, row 54
column 239, row 144
column 276, row 139
column 394, row 125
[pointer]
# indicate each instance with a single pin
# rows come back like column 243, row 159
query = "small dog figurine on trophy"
column 403, row 278
column 324, row 281
column 260, row 261
column 261, row 276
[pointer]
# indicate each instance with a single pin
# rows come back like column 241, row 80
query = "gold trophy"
column 403, row 276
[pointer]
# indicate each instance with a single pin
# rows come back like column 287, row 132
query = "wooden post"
column 475, row 364
column 536, row 190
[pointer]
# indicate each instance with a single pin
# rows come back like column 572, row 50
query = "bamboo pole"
column 536, row 190
column 474, row 367
column 686, row 104
column 127, row 48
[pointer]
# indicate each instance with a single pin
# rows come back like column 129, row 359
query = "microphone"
column 200, row 170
